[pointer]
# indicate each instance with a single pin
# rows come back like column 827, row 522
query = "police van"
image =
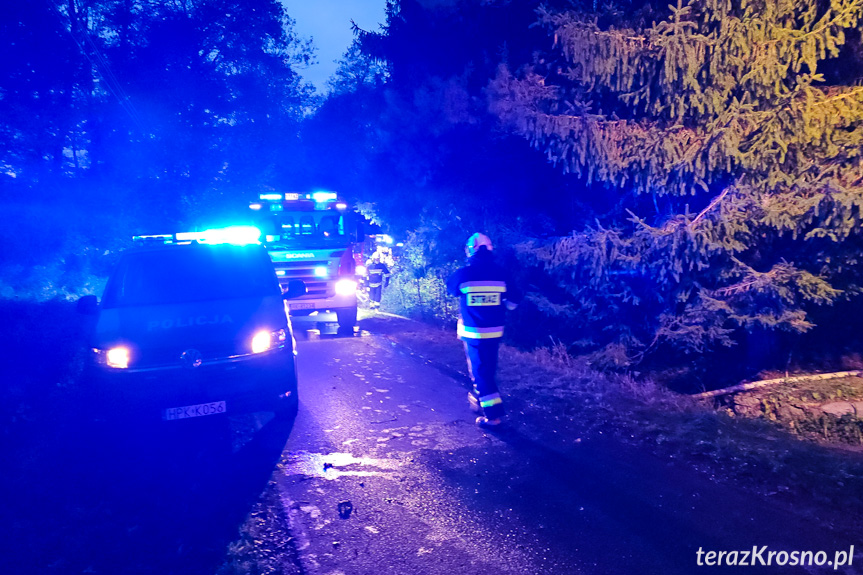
column 192, row 325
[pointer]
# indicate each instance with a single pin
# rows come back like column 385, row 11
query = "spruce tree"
column 730, row 134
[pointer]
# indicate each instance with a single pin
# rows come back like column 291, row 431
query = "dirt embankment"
column 822, row 408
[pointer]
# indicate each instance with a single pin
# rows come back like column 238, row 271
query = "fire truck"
column 316, row 238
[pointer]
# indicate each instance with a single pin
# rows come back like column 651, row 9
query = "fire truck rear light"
column 346, row 287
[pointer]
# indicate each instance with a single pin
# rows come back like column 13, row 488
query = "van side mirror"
column 296, row 288
column 88, row 305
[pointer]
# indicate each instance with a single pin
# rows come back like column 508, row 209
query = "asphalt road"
column 385, row 472
column 382, row 472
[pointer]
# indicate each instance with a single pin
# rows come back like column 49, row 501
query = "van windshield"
column 190, row 273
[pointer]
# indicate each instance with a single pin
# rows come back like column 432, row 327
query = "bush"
column 54, row 250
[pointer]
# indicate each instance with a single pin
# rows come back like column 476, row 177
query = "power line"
column 99, row 63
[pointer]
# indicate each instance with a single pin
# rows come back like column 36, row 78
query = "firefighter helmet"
column 475, row 242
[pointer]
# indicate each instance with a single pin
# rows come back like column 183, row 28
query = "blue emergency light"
column 233, row 235
column 321, row 197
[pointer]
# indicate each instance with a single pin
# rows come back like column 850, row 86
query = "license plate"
column 302, row 306
column 200, row 410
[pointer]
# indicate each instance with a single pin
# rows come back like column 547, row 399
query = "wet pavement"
column 382, row 472
column 385, row 472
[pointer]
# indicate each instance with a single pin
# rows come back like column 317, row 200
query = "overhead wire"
column 99, row 63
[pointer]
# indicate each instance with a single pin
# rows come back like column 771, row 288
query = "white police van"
column 192, row 325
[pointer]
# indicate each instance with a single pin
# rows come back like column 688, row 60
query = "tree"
column 157, row 106
column 728, row 133
column 407, row 127
column 355, row 71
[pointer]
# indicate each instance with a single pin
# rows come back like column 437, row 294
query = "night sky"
column 329, row 23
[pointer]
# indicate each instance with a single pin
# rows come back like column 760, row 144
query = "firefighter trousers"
column 375, row 293
column 482, row 364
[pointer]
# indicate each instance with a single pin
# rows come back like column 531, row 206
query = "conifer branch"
column 709, row 207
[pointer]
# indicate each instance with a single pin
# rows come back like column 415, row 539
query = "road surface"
column 384, row 472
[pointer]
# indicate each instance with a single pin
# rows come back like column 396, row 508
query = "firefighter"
column 484, row 293
column 378, row 278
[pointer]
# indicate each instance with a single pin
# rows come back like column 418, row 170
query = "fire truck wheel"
column 347, row 318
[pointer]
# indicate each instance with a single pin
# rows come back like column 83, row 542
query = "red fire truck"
column 316, row 238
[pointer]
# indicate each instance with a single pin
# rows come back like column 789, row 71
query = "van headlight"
column 265, row 340
column 116, row 357
column 346, row 287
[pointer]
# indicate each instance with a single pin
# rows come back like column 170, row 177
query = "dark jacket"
column 485, row 292
column 379, row 274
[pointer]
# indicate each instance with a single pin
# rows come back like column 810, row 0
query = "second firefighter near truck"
column 485, row 292
column 378, row 279
column 314, row 237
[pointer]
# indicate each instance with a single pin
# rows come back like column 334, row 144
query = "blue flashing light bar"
column 234, row 235
column 164, row 238
column 321, row 197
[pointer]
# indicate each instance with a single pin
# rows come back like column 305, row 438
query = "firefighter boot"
column 487, row 423
column 473, row 402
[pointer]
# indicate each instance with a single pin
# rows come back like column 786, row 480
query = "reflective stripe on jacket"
column 378, row 272
column 483, row 294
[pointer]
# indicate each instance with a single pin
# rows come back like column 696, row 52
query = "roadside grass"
column 41, row 351
column 754, row 454
column 265, row 543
